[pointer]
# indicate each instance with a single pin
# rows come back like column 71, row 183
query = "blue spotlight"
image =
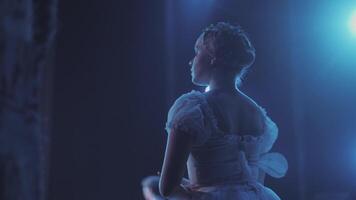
column 352, row 23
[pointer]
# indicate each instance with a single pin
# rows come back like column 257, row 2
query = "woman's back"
column 232, row 138
column 236, row 112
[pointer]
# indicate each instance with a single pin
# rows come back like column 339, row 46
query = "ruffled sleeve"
column 270, row 134
column 187, row 116
column 273, row 163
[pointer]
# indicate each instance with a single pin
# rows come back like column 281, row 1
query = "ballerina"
column 221, row 136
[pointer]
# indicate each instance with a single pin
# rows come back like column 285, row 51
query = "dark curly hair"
column 231, row 46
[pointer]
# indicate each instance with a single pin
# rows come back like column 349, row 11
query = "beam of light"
column 352, row 23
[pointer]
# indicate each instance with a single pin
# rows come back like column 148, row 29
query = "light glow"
column 207, row 89
column 352, row 23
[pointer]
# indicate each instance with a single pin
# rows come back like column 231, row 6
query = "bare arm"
column 177, row 151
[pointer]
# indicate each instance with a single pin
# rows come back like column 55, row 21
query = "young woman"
column 222, row 136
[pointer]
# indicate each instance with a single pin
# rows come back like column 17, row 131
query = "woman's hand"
column 180, row 192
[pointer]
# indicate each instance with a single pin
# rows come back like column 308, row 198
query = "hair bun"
column 231, row 46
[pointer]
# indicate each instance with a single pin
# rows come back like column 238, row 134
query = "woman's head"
column 221, row 48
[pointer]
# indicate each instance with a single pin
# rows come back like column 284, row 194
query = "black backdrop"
column 111, row 93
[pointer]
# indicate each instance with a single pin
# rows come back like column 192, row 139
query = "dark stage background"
column 120, row 65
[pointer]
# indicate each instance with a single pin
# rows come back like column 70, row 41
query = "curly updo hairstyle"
column 231, row 47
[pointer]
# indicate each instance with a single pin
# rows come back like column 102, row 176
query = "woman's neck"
column 222, row 82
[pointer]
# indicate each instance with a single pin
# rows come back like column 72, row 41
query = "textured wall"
column 27, row 30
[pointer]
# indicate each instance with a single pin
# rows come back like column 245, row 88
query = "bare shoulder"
column 235, row 100
column 239, row 112
column 253, row 112
column 250, row 105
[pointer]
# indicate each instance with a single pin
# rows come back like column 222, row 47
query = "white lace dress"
column 224, row 166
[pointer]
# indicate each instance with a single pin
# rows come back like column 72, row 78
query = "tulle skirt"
column 248, row 191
